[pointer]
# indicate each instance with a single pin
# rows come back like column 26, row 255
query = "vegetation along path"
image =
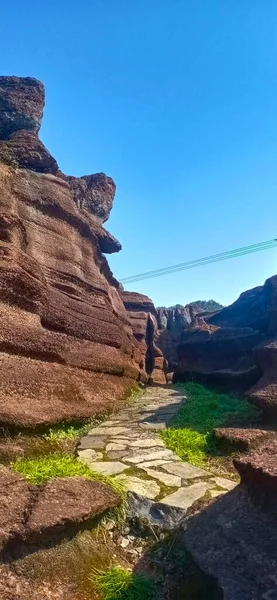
column 130, row 448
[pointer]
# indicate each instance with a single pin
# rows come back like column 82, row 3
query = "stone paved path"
column 129, row 448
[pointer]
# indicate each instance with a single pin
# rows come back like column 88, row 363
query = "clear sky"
column 177, row 101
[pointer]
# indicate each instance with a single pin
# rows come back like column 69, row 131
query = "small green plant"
column 120, row 584
column 66, row 432
column 190, row 431
column 38, row 470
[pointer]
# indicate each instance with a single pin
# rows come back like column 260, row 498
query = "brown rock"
column 16, row 587
column 93, row 193
column 235, row 542
column 26, row 151
column 219, row 356
column 144, row 325
column 244, row 439
column 21, row 105
column 66, row 344
column 258, row 471
column 15, row 497
column 66, row 502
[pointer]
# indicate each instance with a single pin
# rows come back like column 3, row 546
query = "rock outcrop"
column 66, row 342
column 173, row 321
column 236, row 346
column 143, row 317
column 34, row 514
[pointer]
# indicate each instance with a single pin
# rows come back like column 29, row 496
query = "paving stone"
column 89, row 456
column 108, row 431
column 116, row 454
column 227, row 484
column 89, row 441
column 166, row 478
column 147, row 443
column 154, row 426
column 154, row 463
column 153, row 454
column 186, row 496
column 115, row 446
column 108, row 468
column 215, row 493
column 149, row 489
column 185, row 470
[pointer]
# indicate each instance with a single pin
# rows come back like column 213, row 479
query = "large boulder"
column 235, row 542
column 63, row 504
column 15, row 499
column 218, row 356
column 66, row 341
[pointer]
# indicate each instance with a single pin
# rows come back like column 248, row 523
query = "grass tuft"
column 39, row 470
column 120, row 584
column 190, row 431
column 66, row 432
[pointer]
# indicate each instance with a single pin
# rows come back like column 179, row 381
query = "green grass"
column 190, row 431
column 66, row 432
column 119, row 584
column 39, row 470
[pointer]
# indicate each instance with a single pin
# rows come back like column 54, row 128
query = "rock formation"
column 143, row 317
column 67, row 348
column 236, row 347
column 173, row 321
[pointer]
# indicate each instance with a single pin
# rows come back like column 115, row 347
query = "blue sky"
column 177, row 101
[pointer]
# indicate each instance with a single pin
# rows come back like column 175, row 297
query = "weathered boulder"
column 218, row 356
column 66, row 344
column 15, row 498
column 64, row 503
column 235, row 542
column 21, row 105
column 144, row 325
column 258, row 472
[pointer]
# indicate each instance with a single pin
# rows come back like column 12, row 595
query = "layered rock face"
column 143, row 317
column 67, row 348
column 173, row 321
column 236, row 347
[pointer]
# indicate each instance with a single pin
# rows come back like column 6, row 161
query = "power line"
column 202, row 261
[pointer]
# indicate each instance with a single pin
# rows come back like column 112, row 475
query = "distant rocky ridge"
column 67, row 344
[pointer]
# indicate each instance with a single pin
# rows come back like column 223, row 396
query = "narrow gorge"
column 135, row 442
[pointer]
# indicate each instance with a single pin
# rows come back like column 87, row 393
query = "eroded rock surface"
column 144, row 325
column 66, row 343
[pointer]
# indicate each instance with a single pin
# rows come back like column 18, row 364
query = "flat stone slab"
column 109, row 431
column 115, row 446
column 185, row 470
column 185, row 497
column 154, row 426
column 154, row 463
column 147, row 443
column 224, row 483
column 155, row 453
column 90, row 441
column 143, row 487
column 108, row 468
column 166, row 478
column 89, row 456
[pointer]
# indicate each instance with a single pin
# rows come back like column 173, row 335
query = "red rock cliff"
column 67, row 348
